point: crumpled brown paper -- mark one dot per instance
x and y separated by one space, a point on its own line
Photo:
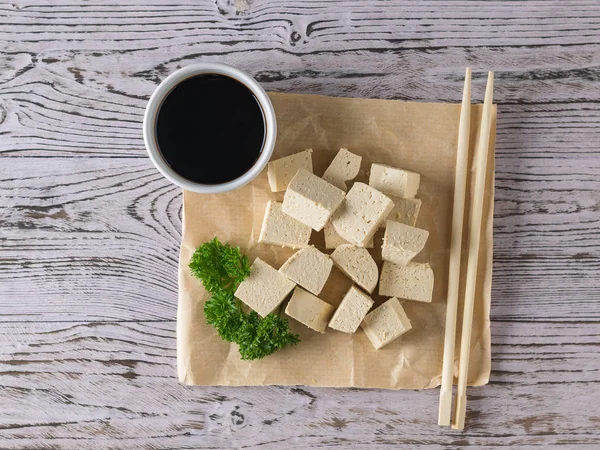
417 136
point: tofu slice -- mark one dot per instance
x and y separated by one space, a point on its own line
264 289
281 171
357 264
311 200
393 181
280 229
412 282
361 213
406 211
309 310
401 243
353 309
386 323
309 268
344 167
334 240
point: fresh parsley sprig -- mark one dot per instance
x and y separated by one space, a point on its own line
221 268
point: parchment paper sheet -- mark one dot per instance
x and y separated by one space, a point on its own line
415 136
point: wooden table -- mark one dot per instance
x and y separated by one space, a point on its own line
89 230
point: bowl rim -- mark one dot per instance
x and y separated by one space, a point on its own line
161 92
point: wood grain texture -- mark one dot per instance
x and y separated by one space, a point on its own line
99 237
113 384
89 231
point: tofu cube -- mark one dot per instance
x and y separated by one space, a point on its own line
334 240
386 323
353 309
361 213
357 264
280 229
344 167
281 171
309 310
412 282
406 211
311 200
264 289
309 268
401 243
393 181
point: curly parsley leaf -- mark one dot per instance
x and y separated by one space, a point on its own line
260 337
221 268
223 312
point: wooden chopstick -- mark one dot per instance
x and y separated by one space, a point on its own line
460 187
474 238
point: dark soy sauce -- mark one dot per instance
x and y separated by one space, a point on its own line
210 129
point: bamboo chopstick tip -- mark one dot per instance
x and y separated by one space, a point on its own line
458 426
444 421
460 413
445 408
489 90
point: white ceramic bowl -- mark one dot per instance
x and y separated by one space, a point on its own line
165 88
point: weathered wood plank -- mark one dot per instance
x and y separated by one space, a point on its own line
94 238
92 104
223 26
113 384
97 239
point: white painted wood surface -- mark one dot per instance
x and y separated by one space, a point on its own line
89 231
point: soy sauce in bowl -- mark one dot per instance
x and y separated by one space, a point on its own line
210 129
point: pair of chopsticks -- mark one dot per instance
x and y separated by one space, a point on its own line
455 253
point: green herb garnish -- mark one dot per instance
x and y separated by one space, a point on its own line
221 268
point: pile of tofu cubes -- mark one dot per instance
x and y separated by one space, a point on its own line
349 221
